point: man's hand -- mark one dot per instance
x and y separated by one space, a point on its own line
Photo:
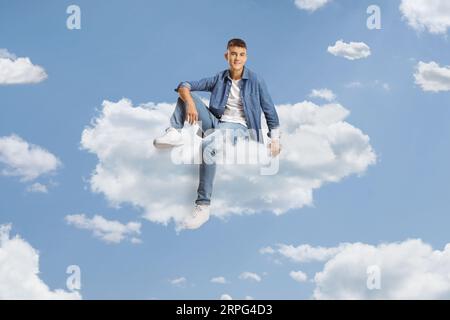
275 147
191 112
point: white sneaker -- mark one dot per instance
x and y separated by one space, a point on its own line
171 138
198 217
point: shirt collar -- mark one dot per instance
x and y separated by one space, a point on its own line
244 74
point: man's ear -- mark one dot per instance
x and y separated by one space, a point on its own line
226 55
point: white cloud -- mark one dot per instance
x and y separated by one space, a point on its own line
250 276
311 5
410 269
19 271
225 296
325 94
431 77
298 276
354 84
37 187
318 147
373 84
5 54
350 51
135 240
181 281
267 250
221 280
25 160
15 70
430 15
307 253
107 230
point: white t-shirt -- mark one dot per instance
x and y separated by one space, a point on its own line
234 109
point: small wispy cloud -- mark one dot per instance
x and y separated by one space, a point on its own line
325 94
298 276
373 84
220 280
250 276
350 51
109 231
310 5
181 281
38 187
267 250
225 296
354 84
5 54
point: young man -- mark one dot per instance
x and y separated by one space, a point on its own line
238 96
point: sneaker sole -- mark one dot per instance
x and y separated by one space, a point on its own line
160 145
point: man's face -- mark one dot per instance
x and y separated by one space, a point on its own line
236 57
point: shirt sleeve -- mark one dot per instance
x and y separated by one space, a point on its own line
205 84
269 111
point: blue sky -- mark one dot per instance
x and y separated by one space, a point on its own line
141 51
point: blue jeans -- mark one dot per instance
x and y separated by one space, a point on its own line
207 171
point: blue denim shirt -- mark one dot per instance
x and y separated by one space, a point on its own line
254 94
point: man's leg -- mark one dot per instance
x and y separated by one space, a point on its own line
207 172
207 119
172 137
208 169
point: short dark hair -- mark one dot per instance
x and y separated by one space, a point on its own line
236 42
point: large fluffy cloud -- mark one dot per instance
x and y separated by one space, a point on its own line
351 50
410 269
15 70
431 77
431 15
319 146
310 5
19 271
109 231
25 160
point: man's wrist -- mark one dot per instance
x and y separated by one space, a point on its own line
275 134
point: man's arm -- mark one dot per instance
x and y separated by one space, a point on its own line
184 91
205 84
271 116
269 110
191 110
